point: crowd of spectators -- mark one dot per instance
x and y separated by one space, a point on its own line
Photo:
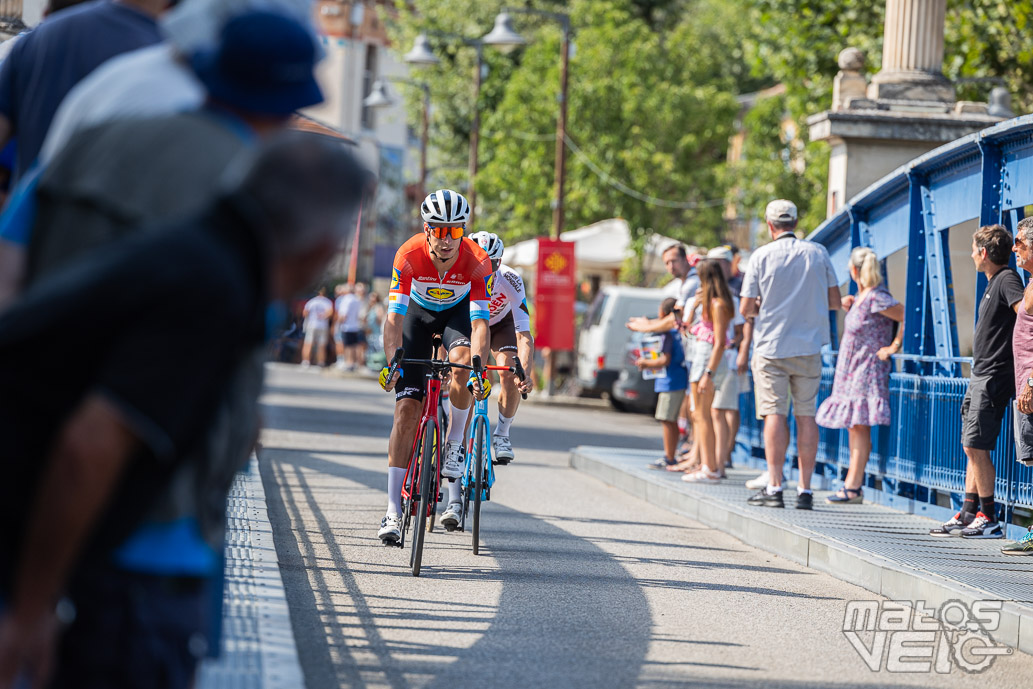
781 305
158 223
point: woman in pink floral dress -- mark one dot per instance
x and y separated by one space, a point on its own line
860 395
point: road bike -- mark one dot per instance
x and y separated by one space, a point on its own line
479 471
421 487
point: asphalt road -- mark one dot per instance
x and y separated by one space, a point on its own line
577 584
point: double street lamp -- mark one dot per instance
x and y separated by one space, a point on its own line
421 54
380 97
506 39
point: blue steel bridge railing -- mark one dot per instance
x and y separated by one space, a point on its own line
919 455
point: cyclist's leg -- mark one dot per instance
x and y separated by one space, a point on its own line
455 337
409 393
504 349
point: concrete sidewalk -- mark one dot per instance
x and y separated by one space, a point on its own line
258 648
882 550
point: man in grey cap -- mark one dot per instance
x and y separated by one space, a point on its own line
789 289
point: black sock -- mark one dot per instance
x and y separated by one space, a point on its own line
988 507
969 507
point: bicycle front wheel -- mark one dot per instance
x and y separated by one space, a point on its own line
427 469
479 440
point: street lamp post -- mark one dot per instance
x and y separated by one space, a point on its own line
421 54
506 38
380 97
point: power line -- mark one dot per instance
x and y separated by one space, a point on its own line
608 178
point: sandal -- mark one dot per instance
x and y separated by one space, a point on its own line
847 496
687 465
662 463
701 476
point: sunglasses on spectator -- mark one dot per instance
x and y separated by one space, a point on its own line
442 231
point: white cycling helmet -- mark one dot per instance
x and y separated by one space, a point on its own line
490 242
445 207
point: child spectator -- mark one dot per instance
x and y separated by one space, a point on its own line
671 385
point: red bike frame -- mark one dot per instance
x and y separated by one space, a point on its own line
411 482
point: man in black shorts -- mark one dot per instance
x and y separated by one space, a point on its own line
991 386
440 285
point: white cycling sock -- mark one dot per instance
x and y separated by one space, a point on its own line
455 491
395 478
504 423
457 427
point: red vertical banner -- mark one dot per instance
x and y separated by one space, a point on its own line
555 292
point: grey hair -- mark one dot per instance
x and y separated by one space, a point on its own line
1025 230
783 226
308 188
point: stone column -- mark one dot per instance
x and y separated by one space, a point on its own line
912 53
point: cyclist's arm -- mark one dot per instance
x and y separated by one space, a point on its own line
480 338
393 332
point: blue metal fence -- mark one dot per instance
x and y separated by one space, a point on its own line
919 455
987 176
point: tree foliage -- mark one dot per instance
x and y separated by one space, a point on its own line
651 109
797 42
653 101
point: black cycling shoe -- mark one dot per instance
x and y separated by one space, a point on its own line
762 499
804 501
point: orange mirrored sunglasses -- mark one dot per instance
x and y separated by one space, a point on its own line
442 231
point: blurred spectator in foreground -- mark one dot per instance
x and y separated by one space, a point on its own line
1022 350
319 311
158 79
790 287
860 395
123 174
991 385
47 62
114 178
87 455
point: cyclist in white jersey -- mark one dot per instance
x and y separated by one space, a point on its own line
510 325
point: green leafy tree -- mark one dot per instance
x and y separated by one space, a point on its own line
797 42
651 109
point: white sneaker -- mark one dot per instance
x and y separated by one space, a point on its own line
390 529
759 482
305 364
502 448
451 516
454 460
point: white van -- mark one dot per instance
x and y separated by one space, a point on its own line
604 335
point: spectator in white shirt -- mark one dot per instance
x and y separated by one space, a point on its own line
318 312
789 289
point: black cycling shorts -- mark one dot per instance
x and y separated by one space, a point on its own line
503 335
418 330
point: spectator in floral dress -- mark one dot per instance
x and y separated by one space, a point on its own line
860 395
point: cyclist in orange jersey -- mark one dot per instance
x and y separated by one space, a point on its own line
441 284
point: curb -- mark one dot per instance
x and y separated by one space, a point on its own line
894 580
258 647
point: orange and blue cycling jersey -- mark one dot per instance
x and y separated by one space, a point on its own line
413 276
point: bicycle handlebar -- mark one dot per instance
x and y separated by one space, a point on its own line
437 365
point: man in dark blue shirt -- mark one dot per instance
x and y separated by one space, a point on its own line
47 62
